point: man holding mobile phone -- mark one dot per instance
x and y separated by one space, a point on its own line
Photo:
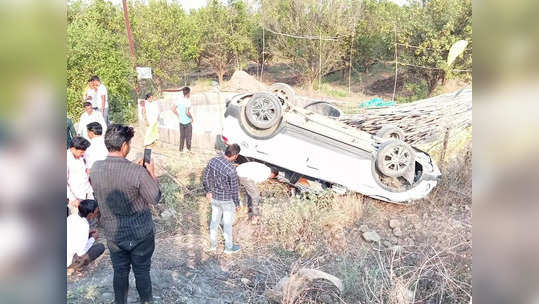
124 191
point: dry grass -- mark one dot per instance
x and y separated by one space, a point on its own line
316 222
321 232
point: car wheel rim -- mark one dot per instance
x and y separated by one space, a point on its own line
397 159
263 110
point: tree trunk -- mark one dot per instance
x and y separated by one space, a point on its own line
220 74
157 84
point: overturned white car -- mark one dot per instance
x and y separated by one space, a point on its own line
271 129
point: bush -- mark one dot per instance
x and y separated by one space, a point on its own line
405 275
332 91
307 224
414 90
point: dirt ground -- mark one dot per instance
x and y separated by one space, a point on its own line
432 237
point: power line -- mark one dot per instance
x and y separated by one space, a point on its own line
302 37
431 68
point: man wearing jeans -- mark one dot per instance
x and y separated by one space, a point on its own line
221 186
124 191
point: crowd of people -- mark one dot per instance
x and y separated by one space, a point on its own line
106 190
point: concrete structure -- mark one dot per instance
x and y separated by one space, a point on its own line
208 114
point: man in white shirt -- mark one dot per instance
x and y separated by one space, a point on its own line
250 174
97 150
102 98
82 247
90 116
90 95
78 182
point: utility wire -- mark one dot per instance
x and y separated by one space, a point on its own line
302 37
431 68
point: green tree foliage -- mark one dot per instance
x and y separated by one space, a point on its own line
222 35
310 18
96 45
226 35
433 26
166 40
374 36
262 40
310 58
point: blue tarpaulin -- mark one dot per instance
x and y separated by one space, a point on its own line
377 103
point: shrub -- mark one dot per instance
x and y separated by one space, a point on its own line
305 225
414 90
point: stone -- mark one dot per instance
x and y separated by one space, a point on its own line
301 282
409 241
397 232
168 214
245 281
107 296
371 236
394 223
363 228
176 276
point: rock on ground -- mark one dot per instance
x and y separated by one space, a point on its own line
371 236
394 223
397 232
288 289
363 228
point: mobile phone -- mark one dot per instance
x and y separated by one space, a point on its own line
147 157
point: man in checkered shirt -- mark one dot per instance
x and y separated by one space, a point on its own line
221 186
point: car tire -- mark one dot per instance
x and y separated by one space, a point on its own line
263 111
283 91
251 129
395 158
390 132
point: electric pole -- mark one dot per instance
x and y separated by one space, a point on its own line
131 44
129 35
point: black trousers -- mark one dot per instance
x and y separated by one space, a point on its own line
186 132
139 255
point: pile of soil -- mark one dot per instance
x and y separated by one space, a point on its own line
243 82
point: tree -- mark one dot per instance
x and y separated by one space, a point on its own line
310 58
96 45
374 40
166 40
433 28
262 40
226 32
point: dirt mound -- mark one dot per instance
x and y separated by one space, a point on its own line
243 82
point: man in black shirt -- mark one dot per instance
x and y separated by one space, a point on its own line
124 191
